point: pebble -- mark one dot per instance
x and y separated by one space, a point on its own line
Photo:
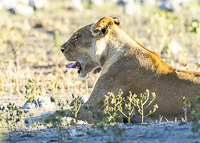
75 132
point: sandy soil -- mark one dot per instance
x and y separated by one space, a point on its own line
164 132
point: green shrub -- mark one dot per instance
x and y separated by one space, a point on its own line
195 114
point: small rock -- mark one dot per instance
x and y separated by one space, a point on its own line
175 47
23 7
74 132
172 5
148 2
97 2
75 4
182 123
24 10
73 101
43 102
53 140
173 51
12 10
151 133
25 136
37 4
130 7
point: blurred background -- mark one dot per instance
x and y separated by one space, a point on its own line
32 31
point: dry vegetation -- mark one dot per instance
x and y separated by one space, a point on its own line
30 46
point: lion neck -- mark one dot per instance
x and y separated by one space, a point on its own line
118 44
112 46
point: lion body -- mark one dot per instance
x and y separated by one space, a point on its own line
128 66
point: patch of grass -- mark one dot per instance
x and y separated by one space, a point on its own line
10 116
195 114
194 107
57 38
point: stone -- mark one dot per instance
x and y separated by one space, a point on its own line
172 5
130 7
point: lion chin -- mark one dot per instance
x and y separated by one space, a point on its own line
127 65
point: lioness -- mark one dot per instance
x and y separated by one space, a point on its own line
128 66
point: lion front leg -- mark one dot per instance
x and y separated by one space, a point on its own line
38 119
52 115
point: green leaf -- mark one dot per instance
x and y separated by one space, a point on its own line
197 99
193 112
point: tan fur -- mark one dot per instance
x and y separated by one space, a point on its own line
128 65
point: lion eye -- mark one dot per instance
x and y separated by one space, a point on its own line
75 37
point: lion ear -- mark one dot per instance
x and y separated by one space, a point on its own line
117 20
102 27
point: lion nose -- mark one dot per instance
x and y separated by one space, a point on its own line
62 49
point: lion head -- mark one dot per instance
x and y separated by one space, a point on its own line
87 45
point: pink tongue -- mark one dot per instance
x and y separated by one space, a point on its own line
73 65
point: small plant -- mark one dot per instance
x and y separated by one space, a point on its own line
57 38
184 64
142 100
15 49
11 115
198 65
57 120
113 106
194 26
185 108
195 114
16 44
117 106
113 113
77 106
31 92
117 103
118 132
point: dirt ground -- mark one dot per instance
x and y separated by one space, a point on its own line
165 132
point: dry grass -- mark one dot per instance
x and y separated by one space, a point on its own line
29 51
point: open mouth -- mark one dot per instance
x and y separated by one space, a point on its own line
74 65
